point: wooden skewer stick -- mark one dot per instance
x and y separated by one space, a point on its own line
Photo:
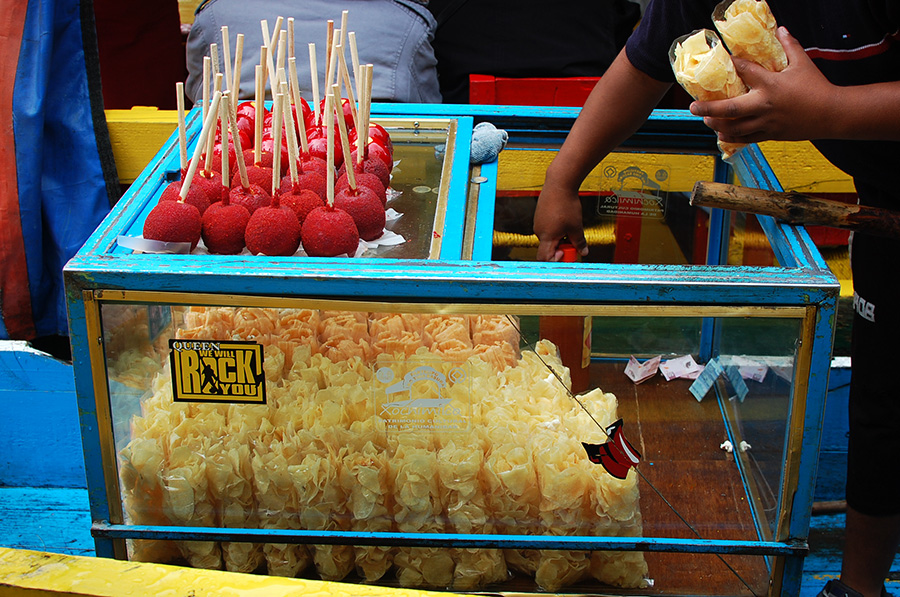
214 55
291 131
290 29
208 124
211 140
344 15
797 208
345 74
295 92
182 129
345 141
314 71
362 134
329 151
236 139
329 40
226 53
266 58
278 108
354 61
223 125
238 60
207 62
279 63
331 66
259 119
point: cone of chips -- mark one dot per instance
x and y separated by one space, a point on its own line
704 68
748 29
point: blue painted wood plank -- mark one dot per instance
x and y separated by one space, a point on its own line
46 519
38 420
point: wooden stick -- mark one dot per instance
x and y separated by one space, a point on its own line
290 28
259 120
344 15
226 54
224 119
345 141
279 64
238 60
362 135
332 65
314 71
277 124
266 57
797 208
182 129
207 61
211 141
236 138
295 92
291 131
329 151
214 54
329 40
208 124
351 96
354 58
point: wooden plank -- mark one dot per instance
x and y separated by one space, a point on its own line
49 519
39 422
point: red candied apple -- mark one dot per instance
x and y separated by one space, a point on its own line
372 165
211 183
363 179
252 197
257 175
345 107
267 149
173 222
329 232
374 150
310 163
273 230
365 208
377 134
307 180
216 162
302 201
196 195
223 227
318 146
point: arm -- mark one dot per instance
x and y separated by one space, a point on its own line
619 103
799 103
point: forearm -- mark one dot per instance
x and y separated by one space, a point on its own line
618 105
864 112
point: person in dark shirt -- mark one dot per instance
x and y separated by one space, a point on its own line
526 38
841 89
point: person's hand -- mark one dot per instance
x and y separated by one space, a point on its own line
558 216
785 106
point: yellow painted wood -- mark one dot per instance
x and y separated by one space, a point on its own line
800 167
136 136
186 10
33 573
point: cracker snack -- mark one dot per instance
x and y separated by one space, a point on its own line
748 29
704 68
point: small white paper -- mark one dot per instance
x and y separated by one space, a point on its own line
640 372
749 368
681 367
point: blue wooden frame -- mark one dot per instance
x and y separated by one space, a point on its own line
803 280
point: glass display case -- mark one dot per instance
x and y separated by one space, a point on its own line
450 413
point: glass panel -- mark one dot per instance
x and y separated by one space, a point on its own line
464 423
635 207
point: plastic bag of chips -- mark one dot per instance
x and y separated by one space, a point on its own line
748 29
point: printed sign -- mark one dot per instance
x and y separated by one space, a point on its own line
633 193
423 397
229 371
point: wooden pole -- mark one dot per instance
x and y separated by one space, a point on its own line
797 208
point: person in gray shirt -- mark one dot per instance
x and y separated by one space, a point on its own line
393 35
